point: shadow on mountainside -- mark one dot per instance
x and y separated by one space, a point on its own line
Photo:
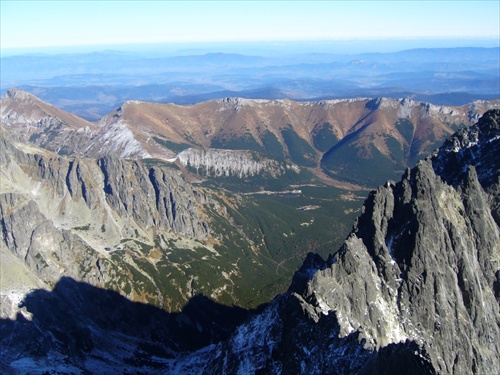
76 319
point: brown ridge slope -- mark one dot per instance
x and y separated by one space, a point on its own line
23 107
345 138
307 133
202 122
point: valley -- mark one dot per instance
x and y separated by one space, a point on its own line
139 227
172 242
224 198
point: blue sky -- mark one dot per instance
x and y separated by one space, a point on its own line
38 23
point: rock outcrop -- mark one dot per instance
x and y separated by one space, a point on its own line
415 286
73 216
238 163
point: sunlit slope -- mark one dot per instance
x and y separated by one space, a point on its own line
363 141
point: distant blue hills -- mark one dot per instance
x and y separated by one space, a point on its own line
93 84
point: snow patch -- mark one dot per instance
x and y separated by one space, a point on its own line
36 189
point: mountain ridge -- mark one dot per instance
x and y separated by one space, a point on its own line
318 135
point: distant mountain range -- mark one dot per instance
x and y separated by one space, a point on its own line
93 84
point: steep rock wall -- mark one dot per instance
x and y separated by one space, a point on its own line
414 288
217 162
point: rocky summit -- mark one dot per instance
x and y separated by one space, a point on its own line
414 289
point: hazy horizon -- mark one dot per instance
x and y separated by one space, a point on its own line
48 26
88 57
265 48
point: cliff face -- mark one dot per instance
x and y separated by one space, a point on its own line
217 162
415 286
93 220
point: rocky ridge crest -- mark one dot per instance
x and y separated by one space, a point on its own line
386 135
68 216
415 287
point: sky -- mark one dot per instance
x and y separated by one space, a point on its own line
37 24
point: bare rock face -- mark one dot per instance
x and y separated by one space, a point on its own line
240 163
415 287
152 197
90 219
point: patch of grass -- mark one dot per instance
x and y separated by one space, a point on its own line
176 147
406 129
300 151
145 248
64 151
152 163
371 171
243 142
84 227
260 182
272 146
40 261
323 137
397 153
458 126
34 137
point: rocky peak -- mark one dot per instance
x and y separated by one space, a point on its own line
471 146
415 287
17 94
21 107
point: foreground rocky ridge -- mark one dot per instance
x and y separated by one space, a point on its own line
415 286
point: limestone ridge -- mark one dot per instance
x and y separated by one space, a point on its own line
415 287
46 126
218 162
